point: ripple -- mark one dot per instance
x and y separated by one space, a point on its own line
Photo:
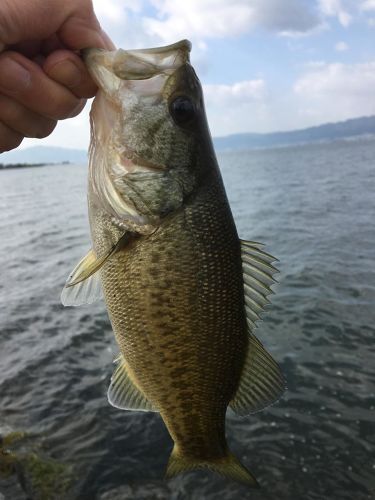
316 443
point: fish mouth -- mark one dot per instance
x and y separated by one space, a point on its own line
137 64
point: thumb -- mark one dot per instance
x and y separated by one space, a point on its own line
81 32
74 21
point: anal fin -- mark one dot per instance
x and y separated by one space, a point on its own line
262 382
123 392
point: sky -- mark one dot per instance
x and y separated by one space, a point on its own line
265 65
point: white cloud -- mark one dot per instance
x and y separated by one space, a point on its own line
206 18
341 47
239 107
115 10
325 92
335 8
368 5
333 92
111 11
123 21
220 18
235 93
291 16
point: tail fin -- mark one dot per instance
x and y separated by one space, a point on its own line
228 466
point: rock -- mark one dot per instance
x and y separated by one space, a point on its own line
150 491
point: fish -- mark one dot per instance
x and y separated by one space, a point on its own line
183 292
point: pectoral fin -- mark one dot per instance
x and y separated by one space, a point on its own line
84 291
123 392
83 285
262 382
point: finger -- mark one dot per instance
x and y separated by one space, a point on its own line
23 121
27 83
80 33
28 48
51 44
9 139
74 22
66 68
32 48
76 111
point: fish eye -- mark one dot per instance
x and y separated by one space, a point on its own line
182 110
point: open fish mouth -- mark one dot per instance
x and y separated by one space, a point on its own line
139 64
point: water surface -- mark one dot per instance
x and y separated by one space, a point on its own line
314 207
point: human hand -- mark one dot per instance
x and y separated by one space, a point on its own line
42 77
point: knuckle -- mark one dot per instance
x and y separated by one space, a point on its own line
13 113
22 121
9 140
14 141
9 110
63 109
85 92
45 129
79 107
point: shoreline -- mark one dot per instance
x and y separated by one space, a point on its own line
12 166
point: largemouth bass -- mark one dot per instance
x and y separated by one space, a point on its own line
183 292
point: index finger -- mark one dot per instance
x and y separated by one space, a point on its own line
66 68
36 91
77 34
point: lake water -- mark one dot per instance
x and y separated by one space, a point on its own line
314 207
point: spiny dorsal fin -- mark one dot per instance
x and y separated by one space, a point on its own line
262 382
83 285
258 273
123 393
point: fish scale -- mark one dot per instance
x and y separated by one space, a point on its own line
171 319
182 291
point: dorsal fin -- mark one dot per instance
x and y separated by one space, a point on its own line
258 273
261 383
123 392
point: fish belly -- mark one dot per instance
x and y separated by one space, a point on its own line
175 300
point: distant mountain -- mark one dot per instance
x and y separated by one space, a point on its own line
44 154
332 131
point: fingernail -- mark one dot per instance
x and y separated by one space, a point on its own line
14 78
67 73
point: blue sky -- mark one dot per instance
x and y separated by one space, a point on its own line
265 65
